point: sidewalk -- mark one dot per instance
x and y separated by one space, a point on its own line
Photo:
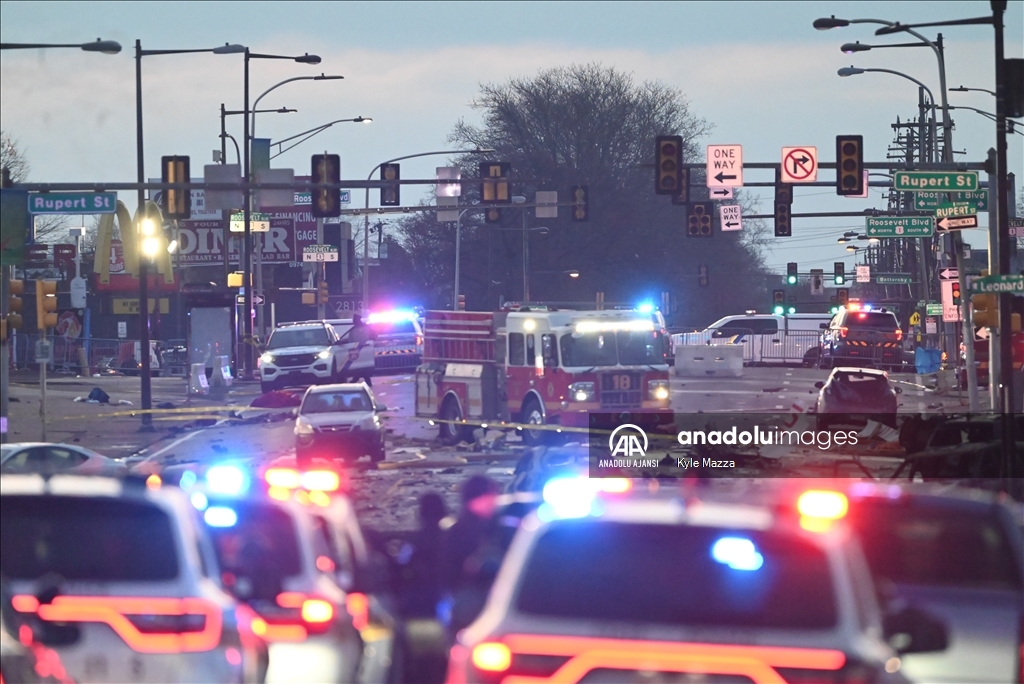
110 429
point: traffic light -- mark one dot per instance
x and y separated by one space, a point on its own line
390 196
15 288
46 303
783 207
955 287
494 187
699 216
850 165
462 303
702 275
668 151
176 202
326 168
580 203
843 296
778 302
839 273
791 273
322 295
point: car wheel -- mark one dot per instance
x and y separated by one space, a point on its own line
450 434
533 415
812 357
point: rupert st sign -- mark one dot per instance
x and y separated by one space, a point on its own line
920 181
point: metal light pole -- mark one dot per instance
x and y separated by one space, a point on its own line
147 398
366 216
316 130
248 343
107 47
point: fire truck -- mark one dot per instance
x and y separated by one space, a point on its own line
540 366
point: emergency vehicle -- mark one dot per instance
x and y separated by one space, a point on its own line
539 366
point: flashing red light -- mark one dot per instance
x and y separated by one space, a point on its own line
492 657
844 331
899 334
358 606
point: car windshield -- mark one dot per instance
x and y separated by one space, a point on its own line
918 542
85 539
627 348
872 320
300 337
677 575
262 546
335 401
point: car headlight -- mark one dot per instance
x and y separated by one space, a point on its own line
267 358
582 391
303 427
325 354
658 389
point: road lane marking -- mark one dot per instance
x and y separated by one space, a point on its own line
172 445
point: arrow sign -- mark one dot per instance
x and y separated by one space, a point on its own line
949 274
725 166
721 193
730 217
961 223
799 164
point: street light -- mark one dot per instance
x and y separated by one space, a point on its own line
856 71
366 215
144 374
963 89
247 342
224 135
107 47
315 131
850 48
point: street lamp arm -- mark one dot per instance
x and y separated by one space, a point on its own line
895 73
896 27
321 77
311 132
109 47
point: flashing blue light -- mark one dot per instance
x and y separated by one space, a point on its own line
199 501
738 553
865 307
220 516
645 307
569 497
227 479
188 480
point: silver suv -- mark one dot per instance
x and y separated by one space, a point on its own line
300 354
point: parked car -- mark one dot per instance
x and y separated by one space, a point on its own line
768 338
858 391
957 554
119 578
43 457
301 354
862 335
339 422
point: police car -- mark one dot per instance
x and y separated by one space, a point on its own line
604 585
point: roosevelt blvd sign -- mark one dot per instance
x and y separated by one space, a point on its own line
900 226
919 181
932 200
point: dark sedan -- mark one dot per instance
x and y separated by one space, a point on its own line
857 392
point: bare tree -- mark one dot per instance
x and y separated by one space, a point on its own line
48 229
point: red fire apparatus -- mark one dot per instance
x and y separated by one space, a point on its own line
540 367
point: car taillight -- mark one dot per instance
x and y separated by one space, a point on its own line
899 333
491 657
843 331
419 340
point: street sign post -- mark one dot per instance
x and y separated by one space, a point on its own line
924 201
933 309
799 164
961 223
258 223
72 203
721 193
955 209
920 181
256 299
730 217
320 253
949 274
998 284
894 279
1017 227
900 226
725 166
863 274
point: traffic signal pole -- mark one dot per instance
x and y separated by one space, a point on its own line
321 308
5 358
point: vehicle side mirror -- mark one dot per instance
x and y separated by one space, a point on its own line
823 326
914 631
381 407
819 384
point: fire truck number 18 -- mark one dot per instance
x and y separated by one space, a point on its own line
621 382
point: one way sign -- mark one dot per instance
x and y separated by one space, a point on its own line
730 217
725 166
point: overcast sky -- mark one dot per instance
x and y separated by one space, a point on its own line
757 71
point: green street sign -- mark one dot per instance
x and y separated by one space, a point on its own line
72 202
956 209
900 226
933 309
996 284
894 279
920 181
924 201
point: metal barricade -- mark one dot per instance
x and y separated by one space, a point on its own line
790 348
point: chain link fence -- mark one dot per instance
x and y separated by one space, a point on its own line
98 355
